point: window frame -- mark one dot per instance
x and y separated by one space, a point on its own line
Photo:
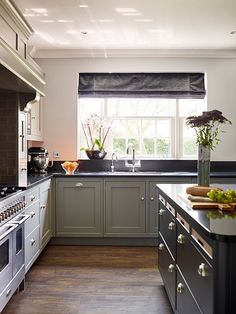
176 132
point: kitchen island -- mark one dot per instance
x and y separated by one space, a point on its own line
196 253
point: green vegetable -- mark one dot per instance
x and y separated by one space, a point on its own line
227 196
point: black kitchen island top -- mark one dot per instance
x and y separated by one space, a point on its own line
212 222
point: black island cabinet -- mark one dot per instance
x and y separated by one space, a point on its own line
196 254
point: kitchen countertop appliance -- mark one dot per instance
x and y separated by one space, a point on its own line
12 257
39 160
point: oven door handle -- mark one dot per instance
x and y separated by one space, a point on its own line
13 227
24 218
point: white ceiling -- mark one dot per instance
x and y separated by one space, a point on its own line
131 24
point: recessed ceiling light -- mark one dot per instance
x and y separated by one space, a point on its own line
143 20
233 32
83 6
125 10
64 21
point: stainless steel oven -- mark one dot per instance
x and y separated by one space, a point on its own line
12 255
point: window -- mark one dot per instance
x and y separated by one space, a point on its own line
156 126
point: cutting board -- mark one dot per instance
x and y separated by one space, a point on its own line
207 205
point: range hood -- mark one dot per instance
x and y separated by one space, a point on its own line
18 71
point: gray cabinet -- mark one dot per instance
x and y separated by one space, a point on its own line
45 213
125 208
32 243
79 207
35 125
38 228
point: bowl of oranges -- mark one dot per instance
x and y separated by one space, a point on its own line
70 166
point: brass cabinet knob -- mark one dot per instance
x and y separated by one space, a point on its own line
79 184
171 268
161 246
152 199
202 270
181 239
180 288
161 211
171 226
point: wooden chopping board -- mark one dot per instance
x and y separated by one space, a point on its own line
207 205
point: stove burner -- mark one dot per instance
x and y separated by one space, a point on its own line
7 190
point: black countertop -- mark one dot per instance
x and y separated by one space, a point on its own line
212 223
38 178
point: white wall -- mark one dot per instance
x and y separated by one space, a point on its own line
60 103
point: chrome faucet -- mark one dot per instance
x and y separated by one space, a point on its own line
135 163
112 161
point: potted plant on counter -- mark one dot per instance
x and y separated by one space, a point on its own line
95 130
207 127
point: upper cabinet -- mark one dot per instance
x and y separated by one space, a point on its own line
14 35
35 125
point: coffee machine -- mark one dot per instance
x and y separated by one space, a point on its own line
39 160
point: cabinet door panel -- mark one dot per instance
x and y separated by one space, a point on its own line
125 207
196 270
168 228
45 214
167 268
185 301
153 209
78 208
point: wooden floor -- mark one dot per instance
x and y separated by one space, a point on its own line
92 280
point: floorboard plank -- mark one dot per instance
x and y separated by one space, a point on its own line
92 280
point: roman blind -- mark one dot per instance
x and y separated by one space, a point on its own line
164 85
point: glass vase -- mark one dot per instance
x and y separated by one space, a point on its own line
203 165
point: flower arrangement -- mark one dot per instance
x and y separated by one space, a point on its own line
207 127
95 130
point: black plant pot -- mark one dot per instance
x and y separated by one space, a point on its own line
96 154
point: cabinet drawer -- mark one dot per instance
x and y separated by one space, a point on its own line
196 270
32 196
185 300
167 228
33 221
167 269
31 248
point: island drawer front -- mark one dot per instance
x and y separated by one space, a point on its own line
196 270
184 300
167 268
167 228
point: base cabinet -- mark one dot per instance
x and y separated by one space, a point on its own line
45 213
79 207
38 228
125 208
185 302
197 271
167 268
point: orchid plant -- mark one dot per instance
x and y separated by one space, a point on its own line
95 130
207 127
